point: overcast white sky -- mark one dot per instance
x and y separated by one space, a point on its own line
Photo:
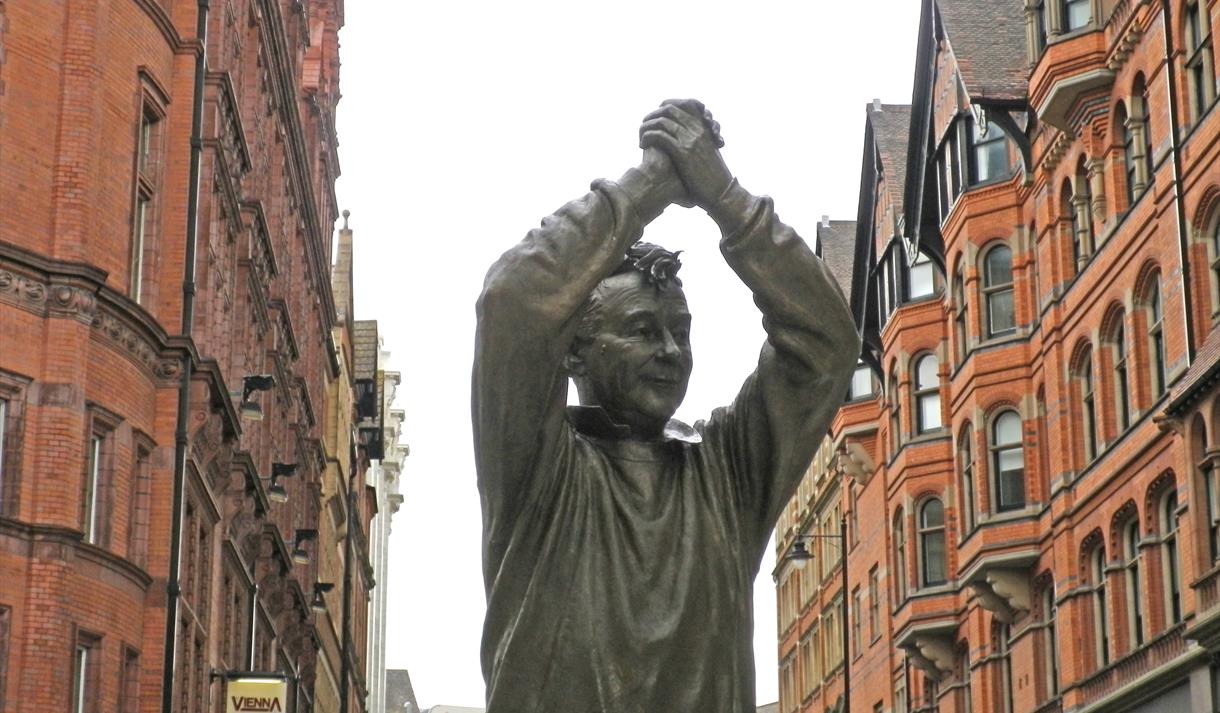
462 124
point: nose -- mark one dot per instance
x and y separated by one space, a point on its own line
668 346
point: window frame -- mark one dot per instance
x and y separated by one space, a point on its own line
900 558
1117 341
147 172
1101 615
961 311
977 146
1171 565
1050 643
1153 304
927 533
993 290
1085 382
1198 62
997 450
923 395
1133 582
965 464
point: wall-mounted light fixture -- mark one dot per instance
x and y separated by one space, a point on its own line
276 492
300 555
319 602
250 410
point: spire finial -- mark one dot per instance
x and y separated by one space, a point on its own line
346 213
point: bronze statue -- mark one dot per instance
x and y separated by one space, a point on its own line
620 546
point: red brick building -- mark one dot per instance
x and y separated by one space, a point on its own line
166 211
1027 461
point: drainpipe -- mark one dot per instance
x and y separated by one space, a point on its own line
1180 208
172 585
345 642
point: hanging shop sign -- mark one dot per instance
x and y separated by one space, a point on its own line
256 695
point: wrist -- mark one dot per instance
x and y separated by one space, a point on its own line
732 208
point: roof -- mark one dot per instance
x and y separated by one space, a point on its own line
891 126
988 41
364 348
769 708
399 694
836 246
1202 373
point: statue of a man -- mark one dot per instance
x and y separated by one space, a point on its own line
620 547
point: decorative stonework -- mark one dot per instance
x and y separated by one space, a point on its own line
47 298
135 346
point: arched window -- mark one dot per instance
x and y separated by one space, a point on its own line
1200 71
1170 567
895 411
1003 653
965 704
1205 470
1076 14
1088 406
997 291
1082 217
1007 462
1101 619
1215 241
965 467
1141 112
927 393
1050 636
1134 585
1124 124
932 543
1117 341
900 558
1067 208
961 309
1156 336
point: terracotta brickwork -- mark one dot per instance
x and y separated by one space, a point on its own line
97 99
1034 482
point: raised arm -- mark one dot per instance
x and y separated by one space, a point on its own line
527 316
777 421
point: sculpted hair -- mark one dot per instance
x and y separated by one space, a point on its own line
659 268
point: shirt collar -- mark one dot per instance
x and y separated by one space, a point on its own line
594 421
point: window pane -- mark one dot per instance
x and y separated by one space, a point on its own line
999 266
1012 489
926 377
1000 312
1012 459
1078 14
922 281
933 513
929 412
934 557
1007 429
861 382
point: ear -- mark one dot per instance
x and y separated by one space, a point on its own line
574 361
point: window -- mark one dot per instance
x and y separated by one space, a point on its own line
1170 568
129 683
6 629
997 291
900 558
1076 14
874 604
12 407
1141 112
1200 69
932 543
1050 639
921 278
988 152
857 623
91 520
807 681
1082 217
140 503
1211 493
1101 620
863 383
1008 462
895 415
965 702
949 171
86 660
1126 125
927 393
900 694
3 433
1038 17
1216 262
960 310
1004 661
1088 406
143 218
1131 572
965 466
1118 348
1156 337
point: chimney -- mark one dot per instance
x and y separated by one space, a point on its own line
341 273
825 221
876 104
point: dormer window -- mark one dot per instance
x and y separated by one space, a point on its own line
988 153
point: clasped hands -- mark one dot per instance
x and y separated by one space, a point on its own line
682 159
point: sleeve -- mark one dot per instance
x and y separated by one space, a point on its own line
769 433
526 318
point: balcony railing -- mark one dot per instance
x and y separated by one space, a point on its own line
1209 590
1152 655
1054 705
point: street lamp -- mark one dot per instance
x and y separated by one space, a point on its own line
799 553
319 602
250 410
300 555
276 492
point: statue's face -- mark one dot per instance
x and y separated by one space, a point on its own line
638 362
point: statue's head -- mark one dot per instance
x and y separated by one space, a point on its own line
632 355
